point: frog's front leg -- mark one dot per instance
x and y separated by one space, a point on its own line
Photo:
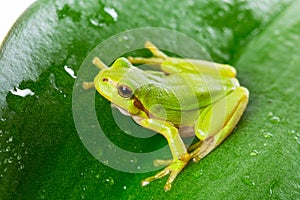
217 121
177 147
98 63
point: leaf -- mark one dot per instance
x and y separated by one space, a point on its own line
41 154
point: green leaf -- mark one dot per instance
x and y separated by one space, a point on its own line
41 154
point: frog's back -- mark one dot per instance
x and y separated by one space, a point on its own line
185 91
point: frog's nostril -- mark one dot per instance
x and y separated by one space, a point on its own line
105 79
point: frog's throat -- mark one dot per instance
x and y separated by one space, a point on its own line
123 111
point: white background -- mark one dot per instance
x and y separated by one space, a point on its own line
10 10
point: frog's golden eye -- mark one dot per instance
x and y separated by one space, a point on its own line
125 91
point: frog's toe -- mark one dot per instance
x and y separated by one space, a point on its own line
88 85
159 162
206 146
173 169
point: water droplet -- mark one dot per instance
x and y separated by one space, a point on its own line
271 192
197 174
254 153
273 118
21 167
110 181
112 12
291 132
106 162
19 157
297 138
248 181
22 93
133 160
10 160
128 132
268 134
10 139
211 32
67 11
52 81
96 22
70 71
124 187
107 16
7 149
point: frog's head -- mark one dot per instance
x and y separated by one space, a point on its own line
118 83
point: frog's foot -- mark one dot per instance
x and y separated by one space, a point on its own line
203 149
88 85
173 169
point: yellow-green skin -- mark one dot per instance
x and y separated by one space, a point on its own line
182 97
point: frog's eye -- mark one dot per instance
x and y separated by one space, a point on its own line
125 91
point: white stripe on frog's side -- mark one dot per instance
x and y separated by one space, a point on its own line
124 112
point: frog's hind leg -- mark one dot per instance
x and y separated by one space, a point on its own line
154 50
158 58
141 60
212 129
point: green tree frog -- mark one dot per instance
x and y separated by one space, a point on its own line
180 97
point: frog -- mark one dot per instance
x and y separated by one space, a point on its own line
177 98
